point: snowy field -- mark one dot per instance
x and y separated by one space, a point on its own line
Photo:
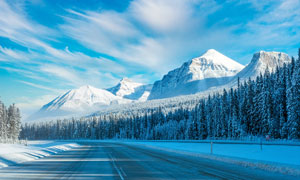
280 158
12 154
273 153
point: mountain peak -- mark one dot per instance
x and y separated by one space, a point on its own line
211 52
213 64
270 59
84 99
260 61
201 73
125 87
214 58
86 87
125 79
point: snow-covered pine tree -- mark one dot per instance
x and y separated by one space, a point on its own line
266 104
14 122
294 103
3 122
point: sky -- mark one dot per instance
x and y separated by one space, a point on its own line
50 46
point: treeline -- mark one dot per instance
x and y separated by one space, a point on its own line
268 105
10 123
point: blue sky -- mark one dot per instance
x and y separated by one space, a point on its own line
50 46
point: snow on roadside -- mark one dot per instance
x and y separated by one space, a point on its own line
12 154
274 158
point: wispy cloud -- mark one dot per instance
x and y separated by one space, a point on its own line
41 86
68 75
44 59
17 27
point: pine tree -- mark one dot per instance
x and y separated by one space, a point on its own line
14 122
294 103
3 122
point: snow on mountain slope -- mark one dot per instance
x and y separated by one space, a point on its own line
129 89
199 74
259 63
124 87
82 100
141 93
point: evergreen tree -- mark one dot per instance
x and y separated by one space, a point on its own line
14 122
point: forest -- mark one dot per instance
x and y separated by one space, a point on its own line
266 106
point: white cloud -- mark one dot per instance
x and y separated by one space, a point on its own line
101 31
25 73
277 25
163 16
41 86
11 53
43 60
15 25
66 74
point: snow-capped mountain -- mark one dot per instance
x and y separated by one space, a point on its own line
259 63
85 99
129 89
211 72
199 74
124 87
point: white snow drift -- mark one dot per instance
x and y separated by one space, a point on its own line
12 154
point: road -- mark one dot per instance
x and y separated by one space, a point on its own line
113 160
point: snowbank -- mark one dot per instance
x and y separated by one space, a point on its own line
276 158
12 154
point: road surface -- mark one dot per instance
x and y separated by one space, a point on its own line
109 160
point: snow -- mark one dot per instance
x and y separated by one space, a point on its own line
83 100
265 57
277 158
80 99
12 154
199 74
140 93
124 87
129 89
259 63
194 80
213 64
273 153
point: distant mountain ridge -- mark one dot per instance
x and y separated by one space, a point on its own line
87 99
211 71
76 101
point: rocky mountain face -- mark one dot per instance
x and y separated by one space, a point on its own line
199 74
129 89
260 62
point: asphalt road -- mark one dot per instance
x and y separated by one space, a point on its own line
108 160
